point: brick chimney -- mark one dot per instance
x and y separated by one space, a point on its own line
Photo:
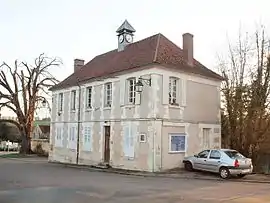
78 63
188 48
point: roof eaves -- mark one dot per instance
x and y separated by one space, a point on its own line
157 46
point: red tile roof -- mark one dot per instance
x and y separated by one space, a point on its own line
155 49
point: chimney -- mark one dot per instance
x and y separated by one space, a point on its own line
78 63
188 48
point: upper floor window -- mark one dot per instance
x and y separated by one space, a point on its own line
173 90
108 94
73 99
60 102
89 97
131 90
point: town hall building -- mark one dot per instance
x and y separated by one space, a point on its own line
142 106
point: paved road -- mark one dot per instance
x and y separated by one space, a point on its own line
32 182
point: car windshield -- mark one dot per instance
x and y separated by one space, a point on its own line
234 154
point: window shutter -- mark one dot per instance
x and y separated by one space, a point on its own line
62 136
89 139
126 140
55 135
179 92
122 91
132 134
183 92
165 89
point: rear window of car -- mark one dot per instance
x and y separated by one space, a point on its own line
234 154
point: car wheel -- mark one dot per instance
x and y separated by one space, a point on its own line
188 166
224 173
241 175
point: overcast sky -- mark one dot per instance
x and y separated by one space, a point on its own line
84 28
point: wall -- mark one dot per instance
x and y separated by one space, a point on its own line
194 143
150 109
44 143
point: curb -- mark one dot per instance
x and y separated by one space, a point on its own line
172 176
26 159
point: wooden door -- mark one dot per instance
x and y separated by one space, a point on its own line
107 144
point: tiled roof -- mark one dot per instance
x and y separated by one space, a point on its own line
155 49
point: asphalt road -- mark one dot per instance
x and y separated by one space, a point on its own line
40 182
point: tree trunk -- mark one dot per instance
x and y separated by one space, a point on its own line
26 142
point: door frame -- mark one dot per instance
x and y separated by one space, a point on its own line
106 144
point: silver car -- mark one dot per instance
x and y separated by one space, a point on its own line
225 162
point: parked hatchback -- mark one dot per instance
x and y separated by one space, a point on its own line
225 162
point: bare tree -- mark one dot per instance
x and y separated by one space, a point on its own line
22 88
246 93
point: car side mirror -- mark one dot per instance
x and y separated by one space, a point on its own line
196 155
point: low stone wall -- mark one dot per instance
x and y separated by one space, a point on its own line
44 143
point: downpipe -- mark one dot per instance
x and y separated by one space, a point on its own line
79 125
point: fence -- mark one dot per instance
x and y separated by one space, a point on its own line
263 163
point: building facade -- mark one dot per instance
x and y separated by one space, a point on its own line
101 117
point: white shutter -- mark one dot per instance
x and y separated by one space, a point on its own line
132 134
75 136
183 92
126 140
122 91
165 91
89 139
55 135
62 136
179 91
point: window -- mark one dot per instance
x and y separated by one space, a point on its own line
73 99
142 138
131 90
203 154
87 138
215 154
60 102
234 154
72 139
108 95
89 97
58 137
206 137
173 91
129 134
177 142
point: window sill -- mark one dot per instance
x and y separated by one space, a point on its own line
72 111
107 108
175 106
129 106
89 109
177 152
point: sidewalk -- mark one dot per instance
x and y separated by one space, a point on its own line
179 174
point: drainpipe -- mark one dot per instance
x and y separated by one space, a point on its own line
78 122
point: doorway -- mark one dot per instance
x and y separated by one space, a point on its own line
107 131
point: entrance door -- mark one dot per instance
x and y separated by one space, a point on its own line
107 144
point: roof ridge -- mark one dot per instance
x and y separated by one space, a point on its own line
156 50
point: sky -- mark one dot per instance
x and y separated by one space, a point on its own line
82 29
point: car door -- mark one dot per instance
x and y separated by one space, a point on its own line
200 160
213 161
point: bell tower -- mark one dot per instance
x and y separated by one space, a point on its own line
125 35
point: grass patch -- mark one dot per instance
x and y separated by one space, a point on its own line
12 155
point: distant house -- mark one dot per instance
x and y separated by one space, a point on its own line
41 130
143 106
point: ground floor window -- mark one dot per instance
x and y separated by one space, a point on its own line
87 138
58 136
177 142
